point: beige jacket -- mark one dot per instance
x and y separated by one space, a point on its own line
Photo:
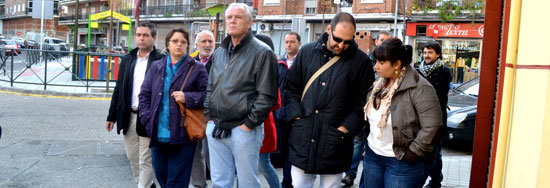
416 118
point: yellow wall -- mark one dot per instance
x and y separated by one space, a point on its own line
527 159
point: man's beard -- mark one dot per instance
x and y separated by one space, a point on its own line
205 54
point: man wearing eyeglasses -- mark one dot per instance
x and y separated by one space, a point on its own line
327 116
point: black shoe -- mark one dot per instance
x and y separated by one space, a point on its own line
348 180
432 186
286 185
153 185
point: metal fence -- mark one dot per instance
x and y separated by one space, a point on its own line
48 68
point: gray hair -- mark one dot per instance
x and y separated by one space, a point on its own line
203 32
246 8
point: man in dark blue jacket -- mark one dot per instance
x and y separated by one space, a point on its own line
292 46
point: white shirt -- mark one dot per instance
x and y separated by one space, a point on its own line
289 61
384 146
139 76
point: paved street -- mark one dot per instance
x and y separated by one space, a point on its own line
57 142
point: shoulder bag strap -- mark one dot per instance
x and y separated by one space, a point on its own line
187 76
318 73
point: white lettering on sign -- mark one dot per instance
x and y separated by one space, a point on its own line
481 30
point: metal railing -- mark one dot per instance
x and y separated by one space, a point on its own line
25 67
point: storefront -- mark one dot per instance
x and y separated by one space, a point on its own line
461 45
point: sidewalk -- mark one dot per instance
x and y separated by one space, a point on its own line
456 164
58 73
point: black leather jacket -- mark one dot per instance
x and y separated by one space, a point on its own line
242 84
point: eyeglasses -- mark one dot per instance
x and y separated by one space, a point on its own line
339 40
178 41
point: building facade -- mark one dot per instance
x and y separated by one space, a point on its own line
16 21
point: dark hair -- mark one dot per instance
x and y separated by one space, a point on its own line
151 27
342 17
266 40
295 34
177 30
393 50
434 46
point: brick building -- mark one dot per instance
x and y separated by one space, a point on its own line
16 20
306 17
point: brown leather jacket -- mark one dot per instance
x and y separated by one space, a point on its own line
416 118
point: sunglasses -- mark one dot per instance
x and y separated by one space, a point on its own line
339 40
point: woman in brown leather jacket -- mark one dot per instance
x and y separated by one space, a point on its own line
404 118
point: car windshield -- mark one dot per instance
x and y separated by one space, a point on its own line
57 41
8 42
470 88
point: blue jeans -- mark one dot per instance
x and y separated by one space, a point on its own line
238 152
435 174
173 164
266 168
388 172
358 149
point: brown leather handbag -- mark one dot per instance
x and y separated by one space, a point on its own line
192 119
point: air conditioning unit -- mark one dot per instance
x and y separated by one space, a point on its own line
265 27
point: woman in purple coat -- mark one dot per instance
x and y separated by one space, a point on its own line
171 149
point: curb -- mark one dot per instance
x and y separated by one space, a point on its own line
56 94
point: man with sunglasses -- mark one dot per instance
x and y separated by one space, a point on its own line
327 116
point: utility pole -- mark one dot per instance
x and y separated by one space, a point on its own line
111 28
75 31
110 44
395 19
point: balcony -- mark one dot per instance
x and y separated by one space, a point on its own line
2 2
175 11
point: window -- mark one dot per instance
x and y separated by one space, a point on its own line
83 11
272 2
310 10
421 30
372 1
92 10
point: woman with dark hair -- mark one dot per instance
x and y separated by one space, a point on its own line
404 118
172 150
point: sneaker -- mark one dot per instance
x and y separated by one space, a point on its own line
348 180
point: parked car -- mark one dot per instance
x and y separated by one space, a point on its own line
32 44
20 41
462 111
56 45
9 45
118 50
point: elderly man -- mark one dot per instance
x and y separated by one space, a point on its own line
326 109
204 42
242 88
125 103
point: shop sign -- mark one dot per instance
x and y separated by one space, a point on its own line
373 27
462 30
282 26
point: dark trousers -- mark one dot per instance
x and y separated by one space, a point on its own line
285 138
435 174
173 164
460 75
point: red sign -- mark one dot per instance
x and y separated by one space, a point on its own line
462 30
19 33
